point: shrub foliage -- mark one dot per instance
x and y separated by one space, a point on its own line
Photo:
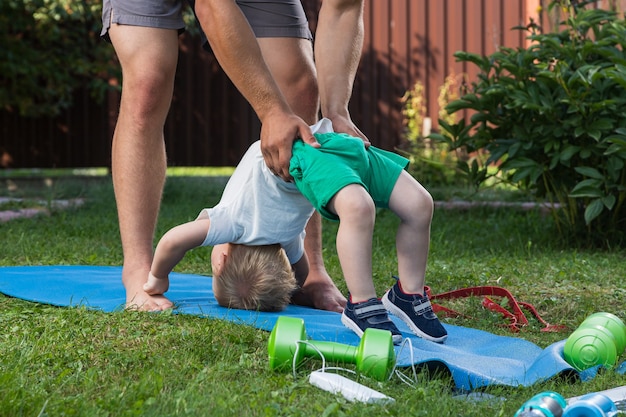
48 49
552 118
431 162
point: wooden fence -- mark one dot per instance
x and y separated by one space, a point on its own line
406 41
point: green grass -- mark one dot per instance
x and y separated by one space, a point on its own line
77 362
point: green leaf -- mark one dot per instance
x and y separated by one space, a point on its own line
514 148
584 192
520 163
442 139
618 143
593 210
461 104
609 201
579 131
595 134
568 152
587 188
602 124
589 172
479 117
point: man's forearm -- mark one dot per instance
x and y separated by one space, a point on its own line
238 52
338 45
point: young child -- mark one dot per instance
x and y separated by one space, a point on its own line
344 181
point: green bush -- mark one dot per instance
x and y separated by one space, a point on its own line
48 49
431 162
552 118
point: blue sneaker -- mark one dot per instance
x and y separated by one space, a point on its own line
371 313
417 312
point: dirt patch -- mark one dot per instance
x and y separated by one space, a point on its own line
544 208
40 207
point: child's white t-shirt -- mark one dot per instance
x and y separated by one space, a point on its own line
259 208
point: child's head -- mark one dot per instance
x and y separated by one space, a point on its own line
252 277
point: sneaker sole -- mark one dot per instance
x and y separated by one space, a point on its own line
393 309
346 321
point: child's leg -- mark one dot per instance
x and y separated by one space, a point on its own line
357 215
414 206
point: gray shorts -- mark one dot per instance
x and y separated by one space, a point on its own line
268 19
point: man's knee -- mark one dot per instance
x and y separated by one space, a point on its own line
307 87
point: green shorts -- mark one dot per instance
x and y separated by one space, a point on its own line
319 173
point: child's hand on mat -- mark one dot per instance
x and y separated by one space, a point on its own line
156 286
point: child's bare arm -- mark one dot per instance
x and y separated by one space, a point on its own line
170 251
175 243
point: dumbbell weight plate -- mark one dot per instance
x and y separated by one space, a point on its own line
611 322
376 356
587 347
282 342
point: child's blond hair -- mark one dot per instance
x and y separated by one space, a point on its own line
255 278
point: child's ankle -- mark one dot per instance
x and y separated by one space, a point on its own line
420 293
359 300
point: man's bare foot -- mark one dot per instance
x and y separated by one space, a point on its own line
319 291
141 301
138 299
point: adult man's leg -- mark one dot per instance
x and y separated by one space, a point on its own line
291 62
148 57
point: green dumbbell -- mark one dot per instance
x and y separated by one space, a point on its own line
613 324
599 340
374 356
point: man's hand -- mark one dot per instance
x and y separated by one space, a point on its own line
321 293
277 136
343 124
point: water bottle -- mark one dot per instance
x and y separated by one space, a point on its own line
591 405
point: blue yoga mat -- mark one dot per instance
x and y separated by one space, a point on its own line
474 358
